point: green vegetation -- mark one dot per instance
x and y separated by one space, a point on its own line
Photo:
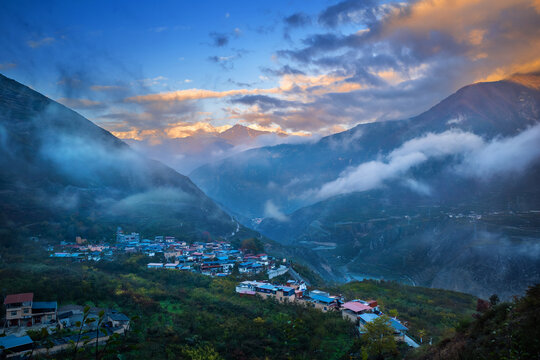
434 311
507 330
182 315
379 338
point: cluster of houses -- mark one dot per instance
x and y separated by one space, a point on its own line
82 250
358 311
22 313
217 259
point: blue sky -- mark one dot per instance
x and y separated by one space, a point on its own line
168 68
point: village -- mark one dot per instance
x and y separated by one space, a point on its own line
215 258
360 312
64 327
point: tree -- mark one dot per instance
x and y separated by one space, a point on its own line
379 338
200 353
494 299
393 313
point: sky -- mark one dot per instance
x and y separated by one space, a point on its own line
169 69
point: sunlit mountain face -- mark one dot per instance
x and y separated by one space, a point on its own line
385 139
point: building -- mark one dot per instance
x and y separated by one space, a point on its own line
11 345
21 310
400 330
121 237
44 312
266 290
352 309
117 319
322 300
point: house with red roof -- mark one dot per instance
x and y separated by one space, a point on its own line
21 310
352 309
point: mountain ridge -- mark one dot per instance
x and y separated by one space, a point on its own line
58 165
439 194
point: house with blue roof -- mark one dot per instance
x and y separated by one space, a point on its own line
44 312
400 330
322 300
12 345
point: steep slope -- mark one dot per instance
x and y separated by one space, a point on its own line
504 331
281 174
61 174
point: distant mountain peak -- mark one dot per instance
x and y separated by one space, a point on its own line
240 133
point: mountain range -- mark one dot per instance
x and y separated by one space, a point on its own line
185 154
63 176
448 198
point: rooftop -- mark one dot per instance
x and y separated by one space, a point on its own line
18 298
266 286
44 305
12 341
356 306
321 298
368 317
117 316
392 322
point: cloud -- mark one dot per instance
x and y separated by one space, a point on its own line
422 50
159 29
185 129
510 155
34 44
194 94
349 11
264 102
273 212
219 39
5 66
473 158
158 197
81 103
298 19
374 174
294 21
106 87
227 62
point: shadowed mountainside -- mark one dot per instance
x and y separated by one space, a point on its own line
446 199
62 174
